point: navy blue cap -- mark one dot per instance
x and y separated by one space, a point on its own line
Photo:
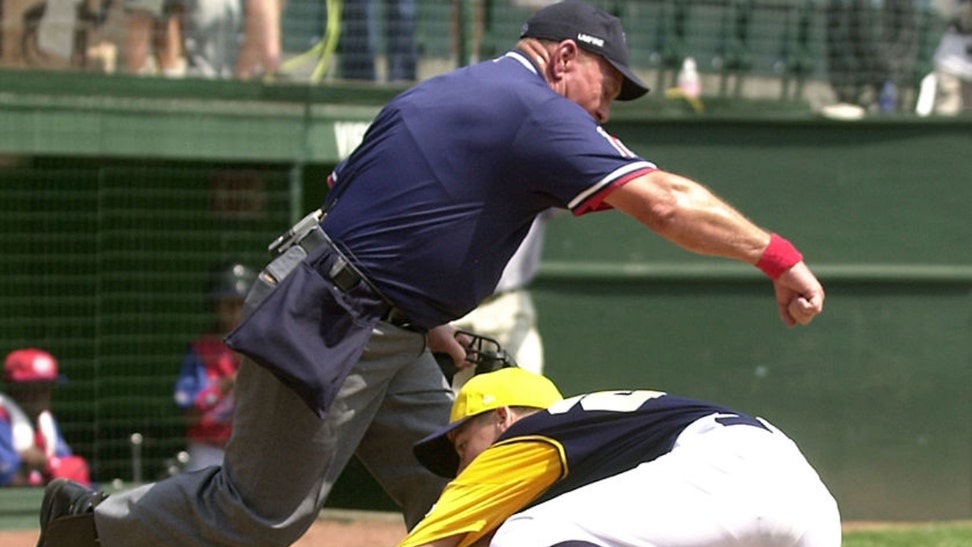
594 30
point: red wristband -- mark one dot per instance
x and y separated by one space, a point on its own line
779 256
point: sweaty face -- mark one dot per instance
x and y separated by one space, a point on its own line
474 436
593 85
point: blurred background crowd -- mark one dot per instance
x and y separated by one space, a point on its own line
841 54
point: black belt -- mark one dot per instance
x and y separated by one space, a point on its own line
346 277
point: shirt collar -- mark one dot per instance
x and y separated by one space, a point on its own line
524 60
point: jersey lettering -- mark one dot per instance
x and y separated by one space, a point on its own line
611 401
615 142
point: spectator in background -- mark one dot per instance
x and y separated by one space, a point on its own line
204 388
260 51
871 46
212 37
953 63
359 40
153 29
481 45
32 449
509 315
203 38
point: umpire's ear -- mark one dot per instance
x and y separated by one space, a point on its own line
563 58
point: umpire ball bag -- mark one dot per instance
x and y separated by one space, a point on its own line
303 328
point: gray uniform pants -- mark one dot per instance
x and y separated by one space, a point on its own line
282 459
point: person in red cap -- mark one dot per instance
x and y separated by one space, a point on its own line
32 449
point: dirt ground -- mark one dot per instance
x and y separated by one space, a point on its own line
334 529
340 528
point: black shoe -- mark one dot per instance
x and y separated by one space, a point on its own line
67 514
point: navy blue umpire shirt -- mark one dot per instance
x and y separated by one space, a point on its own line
452 172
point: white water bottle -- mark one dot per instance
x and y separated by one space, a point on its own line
688 79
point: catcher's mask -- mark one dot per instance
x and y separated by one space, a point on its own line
483 352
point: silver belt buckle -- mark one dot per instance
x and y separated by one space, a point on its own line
344 275
287 239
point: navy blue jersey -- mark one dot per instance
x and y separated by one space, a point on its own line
605 433
451 174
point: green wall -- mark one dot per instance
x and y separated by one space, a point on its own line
876 390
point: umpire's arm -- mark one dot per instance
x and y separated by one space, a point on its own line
693 217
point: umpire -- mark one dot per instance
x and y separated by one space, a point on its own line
416 230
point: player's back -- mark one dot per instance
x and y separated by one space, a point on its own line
604 433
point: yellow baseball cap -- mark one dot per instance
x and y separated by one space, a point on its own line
511 386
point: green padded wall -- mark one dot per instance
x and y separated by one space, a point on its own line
876 389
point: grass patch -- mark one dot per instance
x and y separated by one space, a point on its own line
932 534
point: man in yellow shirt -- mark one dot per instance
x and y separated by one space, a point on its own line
633 468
